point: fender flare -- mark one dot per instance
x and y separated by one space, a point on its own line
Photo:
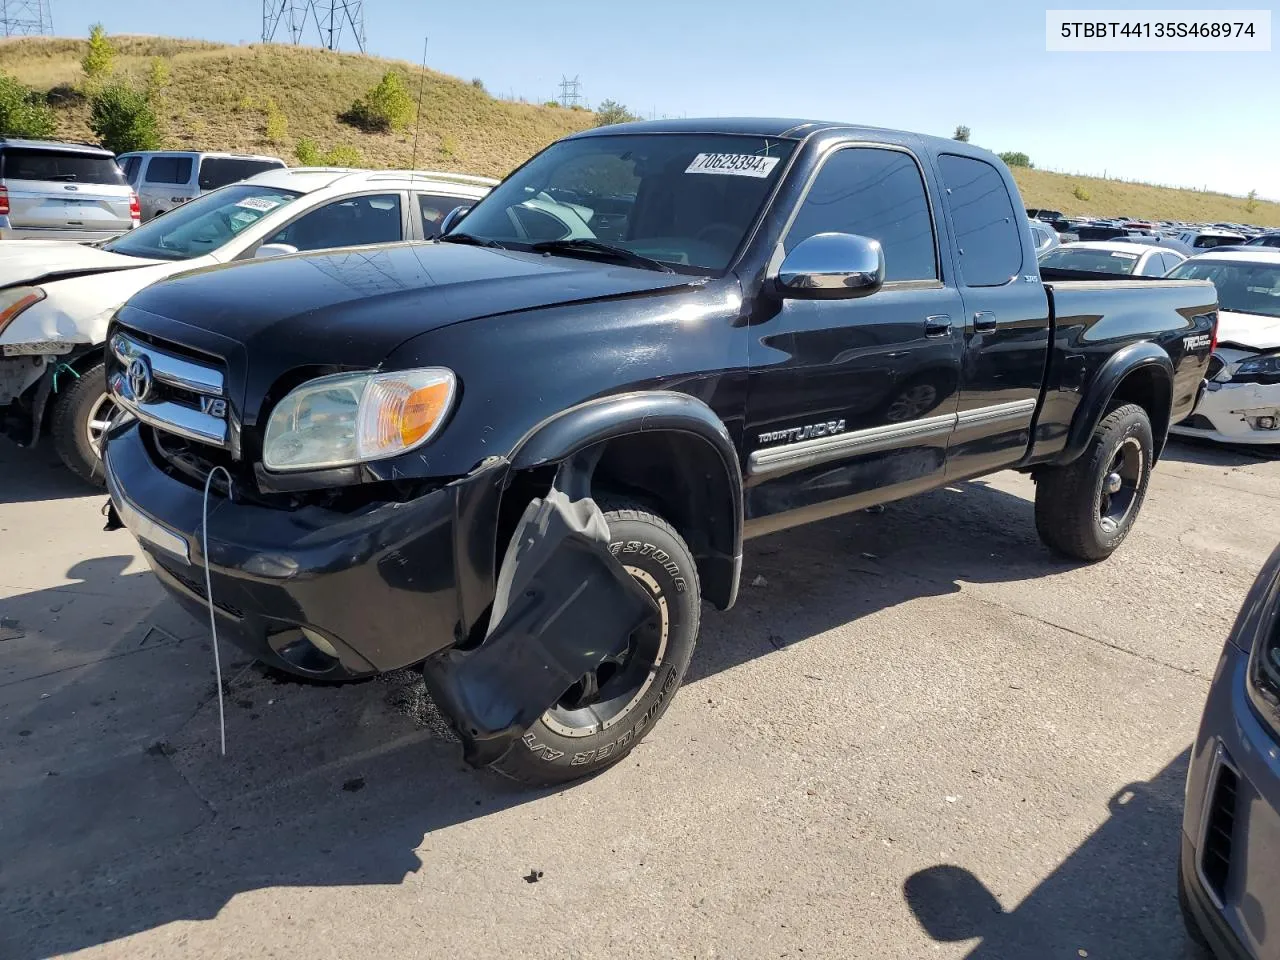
568 433
1125 361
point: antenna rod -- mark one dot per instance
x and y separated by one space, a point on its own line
422 84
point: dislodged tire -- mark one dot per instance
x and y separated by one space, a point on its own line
603 716
80 415
1085 509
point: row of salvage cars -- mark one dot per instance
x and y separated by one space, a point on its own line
56 297
1241 402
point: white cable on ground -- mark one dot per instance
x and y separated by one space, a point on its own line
208 593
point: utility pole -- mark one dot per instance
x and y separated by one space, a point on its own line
570 92
328 17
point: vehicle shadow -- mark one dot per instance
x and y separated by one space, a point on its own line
1209 454
1114 896
29 476
119 822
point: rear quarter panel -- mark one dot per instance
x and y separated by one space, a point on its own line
1093 320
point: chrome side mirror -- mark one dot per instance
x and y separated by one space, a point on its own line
268 250
832 266
452 218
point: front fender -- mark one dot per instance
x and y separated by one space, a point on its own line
1143 355
707 507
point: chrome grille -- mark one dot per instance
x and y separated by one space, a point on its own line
169 392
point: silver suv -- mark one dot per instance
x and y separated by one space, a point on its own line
62 191
166 178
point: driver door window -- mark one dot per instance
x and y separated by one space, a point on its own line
349 222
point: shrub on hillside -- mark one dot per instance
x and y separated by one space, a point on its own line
1080 193
611 112
122 118
21 112
277 125
387 106
100 58
1015 158
477 83
343 155
308 153
157 78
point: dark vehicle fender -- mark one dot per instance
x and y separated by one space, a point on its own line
1140 373
662 447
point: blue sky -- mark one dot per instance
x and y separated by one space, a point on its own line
1179 118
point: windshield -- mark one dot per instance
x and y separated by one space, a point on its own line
1242 287
203 225
686 200
1090 259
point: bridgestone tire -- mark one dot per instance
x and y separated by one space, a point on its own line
1069 499
69 425
642 540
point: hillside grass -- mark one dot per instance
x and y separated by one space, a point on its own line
218 98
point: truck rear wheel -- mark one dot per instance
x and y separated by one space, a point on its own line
80 416
601 718
1086 508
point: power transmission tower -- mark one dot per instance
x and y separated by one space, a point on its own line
329 18
570 92
25 18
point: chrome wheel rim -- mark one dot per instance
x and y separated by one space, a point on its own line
608 694
101 416
1118 488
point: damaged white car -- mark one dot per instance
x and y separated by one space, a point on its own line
1241 402
56 298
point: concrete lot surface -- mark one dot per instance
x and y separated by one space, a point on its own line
919 735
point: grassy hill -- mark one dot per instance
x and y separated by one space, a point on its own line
217 99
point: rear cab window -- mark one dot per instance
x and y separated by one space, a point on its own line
988 238
217 172
169 170
62 166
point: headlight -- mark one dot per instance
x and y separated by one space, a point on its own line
1266 366
352 417
16 299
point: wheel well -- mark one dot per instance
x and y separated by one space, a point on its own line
1149 388
677 475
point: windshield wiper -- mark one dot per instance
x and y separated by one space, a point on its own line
591 245
471 239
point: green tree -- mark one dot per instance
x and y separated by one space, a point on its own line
277 125
343 155
387 106
1080 193
1251 201
1015 158
308 153
100 58
610 112
123 119
22 112
477 83
961 134
157 79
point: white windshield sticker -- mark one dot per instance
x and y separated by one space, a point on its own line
258 203
732 164
1124 256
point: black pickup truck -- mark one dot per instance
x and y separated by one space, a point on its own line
523 455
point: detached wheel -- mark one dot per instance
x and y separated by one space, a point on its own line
1085 509
81 415
601 718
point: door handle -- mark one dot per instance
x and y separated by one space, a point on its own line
984 321
937 326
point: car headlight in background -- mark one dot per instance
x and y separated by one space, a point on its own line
14 300
1267 365
349 418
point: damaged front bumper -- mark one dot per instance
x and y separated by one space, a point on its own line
1235 413
314 591
336 596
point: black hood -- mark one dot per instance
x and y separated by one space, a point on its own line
354 306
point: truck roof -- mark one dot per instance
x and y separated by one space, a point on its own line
788 128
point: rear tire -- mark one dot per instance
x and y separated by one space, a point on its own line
559 747
1085 509
77 407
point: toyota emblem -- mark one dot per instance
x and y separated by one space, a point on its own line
138 374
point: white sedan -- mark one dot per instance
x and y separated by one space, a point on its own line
57 298
1241 402
1112 257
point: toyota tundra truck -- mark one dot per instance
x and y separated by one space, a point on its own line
522 456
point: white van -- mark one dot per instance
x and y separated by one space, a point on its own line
165 178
